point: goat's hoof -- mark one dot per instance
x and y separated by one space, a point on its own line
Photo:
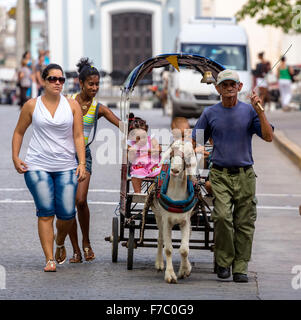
159 266
184 272
171 278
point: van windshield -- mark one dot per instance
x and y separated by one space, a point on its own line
232 57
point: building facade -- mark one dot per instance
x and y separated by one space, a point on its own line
115 34
7 40
119 34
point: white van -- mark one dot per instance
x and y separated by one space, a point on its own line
219 39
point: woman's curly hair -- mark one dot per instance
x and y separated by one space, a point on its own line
86 69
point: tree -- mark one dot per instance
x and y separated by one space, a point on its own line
284 14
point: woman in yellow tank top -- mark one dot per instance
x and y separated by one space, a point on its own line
89 78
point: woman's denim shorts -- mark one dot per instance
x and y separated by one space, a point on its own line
53 192
88 160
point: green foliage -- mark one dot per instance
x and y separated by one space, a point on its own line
284 14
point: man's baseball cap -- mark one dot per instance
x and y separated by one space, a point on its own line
227 75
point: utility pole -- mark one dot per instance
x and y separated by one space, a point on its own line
23 28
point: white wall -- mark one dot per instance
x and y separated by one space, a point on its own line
75 32
55 31
293 56
59 22
186 11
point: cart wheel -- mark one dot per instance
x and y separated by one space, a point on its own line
114 239
131 244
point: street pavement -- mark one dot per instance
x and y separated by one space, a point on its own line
287 133
289 123
276 249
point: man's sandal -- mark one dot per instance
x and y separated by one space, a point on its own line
50 266
88 253
77 258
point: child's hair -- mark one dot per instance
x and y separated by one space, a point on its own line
86 69
136 123
179 122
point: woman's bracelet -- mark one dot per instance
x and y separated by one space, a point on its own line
82 163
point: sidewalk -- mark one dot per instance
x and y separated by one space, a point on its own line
287 135
276 247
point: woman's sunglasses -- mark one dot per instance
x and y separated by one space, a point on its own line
55 79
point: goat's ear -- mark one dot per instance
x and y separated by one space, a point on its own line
190 159
166 155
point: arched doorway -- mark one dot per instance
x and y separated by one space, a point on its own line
131 40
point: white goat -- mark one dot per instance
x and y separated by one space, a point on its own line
182 164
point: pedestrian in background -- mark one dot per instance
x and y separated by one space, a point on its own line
262 69
29 63
92 110
231 124
285 84
47 57
50 168
24 81
38 74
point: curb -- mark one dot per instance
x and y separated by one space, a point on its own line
292 150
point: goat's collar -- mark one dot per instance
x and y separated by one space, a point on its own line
167 203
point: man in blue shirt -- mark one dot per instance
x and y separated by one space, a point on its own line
231 124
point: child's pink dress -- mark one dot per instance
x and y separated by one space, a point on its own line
145 165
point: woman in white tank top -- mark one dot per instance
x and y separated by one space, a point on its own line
51 170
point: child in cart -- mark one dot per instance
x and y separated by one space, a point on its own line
143 152
180 128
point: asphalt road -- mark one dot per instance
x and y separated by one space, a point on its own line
275 253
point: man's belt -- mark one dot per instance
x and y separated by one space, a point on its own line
231 170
